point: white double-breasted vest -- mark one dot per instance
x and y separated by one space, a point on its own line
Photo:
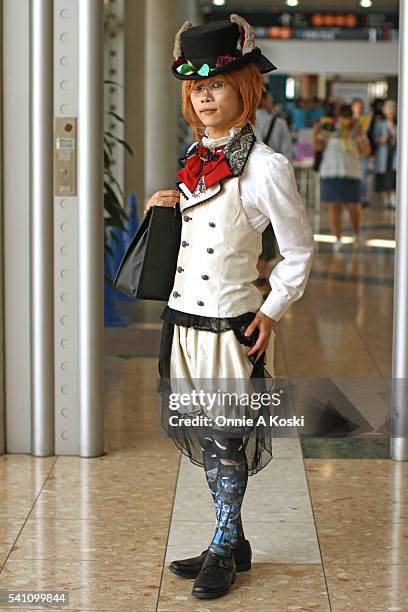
218 254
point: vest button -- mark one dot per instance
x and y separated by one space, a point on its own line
187 218
211 224
180 269
176 294
205 277
200 303
210 251
184 243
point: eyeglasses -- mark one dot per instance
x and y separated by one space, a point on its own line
214 88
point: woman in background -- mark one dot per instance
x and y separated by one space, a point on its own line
385 135
342 142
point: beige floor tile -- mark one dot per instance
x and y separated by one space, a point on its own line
356 490
193 504
285 542
367 587
115 539
95 585
352 472
188 538
21 480
17 506
332 368
15 465
74 471
353 508
286 448
95 502
290 469
265 588
140 456
364 541
154 444
9 530
270 542
190 475
279 503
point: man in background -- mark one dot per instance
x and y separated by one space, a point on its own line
273 130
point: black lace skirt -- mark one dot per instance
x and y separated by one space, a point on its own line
189 424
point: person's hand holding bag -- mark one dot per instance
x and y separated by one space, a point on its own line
165 197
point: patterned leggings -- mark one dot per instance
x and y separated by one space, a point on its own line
226 470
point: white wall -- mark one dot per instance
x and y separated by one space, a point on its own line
296 56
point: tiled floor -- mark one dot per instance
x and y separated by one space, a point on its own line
328 526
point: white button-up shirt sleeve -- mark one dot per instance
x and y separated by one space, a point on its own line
269 193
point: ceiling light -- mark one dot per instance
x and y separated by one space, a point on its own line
218 2
292 2
365 3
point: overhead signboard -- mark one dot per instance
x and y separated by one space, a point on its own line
321 25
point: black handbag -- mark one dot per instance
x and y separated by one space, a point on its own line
148 267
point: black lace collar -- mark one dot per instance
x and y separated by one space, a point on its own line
236 151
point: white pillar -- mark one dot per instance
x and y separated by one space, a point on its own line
399 406
2 405
66 212
90 226
162 97
42 290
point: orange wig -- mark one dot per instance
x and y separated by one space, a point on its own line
247 81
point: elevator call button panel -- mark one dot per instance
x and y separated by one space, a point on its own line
65 153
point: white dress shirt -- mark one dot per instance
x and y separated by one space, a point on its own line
269 193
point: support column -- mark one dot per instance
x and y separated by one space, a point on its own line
399 405
42 296
162 97
2 405
135 99
66 258
90 225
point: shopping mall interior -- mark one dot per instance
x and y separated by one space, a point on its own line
96 498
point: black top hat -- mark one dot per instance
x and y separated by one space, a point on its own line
215 48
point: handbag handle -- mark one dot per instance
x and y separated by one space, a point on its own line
176 214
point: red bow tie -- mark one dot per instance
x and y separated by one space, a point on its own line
211 165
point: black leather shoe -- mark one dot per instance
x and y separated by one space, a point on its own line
189 568
216 576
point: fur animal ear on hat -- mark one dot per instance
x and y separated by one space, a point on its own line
246 41
177 51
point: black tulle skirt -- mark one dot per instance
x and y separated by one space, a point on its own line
190 424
